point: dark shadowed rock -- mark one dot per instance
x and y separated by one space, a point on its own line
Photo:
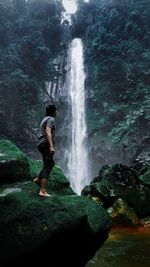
126 182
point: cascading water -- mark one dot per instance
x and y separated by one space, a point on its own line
78 164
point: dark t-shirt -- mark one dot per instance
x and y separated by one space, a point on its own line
48 121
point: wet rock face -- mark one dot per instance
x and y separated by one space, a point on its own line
123 214
119 181
143 158
120 174
146 222
142 166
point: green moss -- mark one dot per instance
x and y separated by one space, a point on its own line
145 178
35 167
28 220
16 166
9 151
59 182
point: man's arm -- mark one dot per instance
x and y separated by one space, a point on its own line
49 139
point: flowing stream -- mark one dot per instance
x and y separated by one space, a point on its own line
78 163
124 248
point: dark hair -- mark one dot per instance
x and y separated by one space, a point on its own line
50 110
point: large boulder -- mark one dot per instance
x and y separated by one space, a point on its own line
120 181
33 228
64 230
14 164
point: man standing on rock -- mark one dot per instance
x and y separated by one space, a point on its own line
46 147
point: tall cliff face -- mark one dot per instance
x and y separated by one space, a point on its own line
116 38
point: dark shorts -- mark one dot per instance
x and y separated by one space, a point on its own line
48 161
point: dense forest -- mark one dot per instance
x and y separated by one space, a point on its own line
116 37
31 36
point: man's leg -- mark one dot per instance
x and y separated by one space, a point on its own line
49 163
37 180
43 192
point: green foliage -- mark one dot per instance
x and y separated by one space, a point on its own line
30 37
116 37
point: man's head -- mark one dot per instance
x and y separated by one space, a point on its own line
51 110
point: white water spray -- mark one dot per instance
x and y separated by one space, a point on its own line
78 164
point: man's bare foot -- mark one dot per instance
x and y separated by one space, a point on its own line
44 194
37 181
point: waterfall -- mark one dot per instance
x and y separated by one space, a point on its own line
78 164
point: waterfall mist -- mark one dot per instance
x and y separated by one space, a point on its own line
78 169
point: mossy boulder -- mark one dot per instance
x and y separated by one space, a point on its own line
14 164
121 181
122 214
66 230
59 183
61 228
